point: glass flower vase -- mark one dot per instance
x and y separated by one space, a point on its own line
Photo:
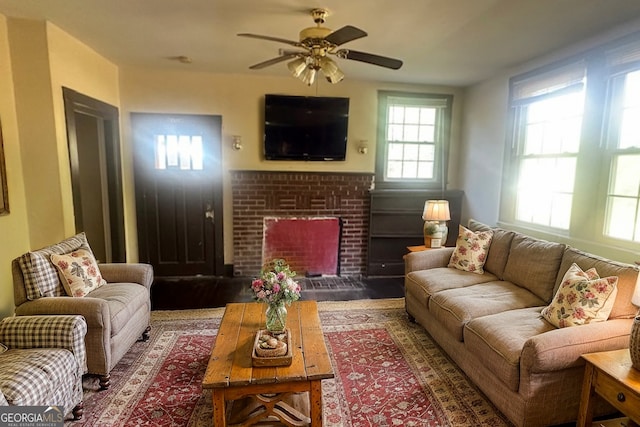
276 317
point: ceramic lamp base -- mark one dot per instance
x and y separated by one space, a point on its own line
634 343
433 241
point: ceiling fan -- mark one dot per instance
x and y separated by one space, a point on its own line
317 43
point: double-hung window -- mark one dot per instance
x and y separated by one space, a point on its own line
548 111
622 214
413 139
573 156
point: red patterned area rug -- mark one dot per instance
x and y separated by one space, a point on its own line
388 373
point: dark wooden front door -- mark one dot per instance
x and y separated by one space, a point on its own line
178 181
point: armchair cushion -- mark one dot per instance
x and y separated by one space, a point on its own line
31 377
40 276
123 301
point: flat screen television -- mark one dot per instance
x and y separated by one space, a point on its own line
305 127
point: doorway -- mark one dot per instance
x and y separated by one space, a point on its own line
96 182
178 185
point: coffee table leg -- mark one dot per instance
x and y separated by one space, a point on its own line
315 402
219 408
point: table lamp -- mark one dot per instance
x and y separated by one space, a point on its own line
634 343
435 216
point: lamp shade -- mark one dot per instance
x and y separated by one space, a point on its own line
297 66
436 210
308 76
330 70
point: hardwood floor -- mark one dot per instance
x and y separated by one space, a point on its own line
180 293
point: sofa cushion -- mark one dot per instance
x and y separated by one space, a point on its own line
471 250
455 307
33 376
422 284
123 299
627 277
499 249
583 297
499 252
40 276
79 271
498 340
533 264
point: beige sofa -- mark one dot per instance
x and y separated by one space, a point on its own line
490 324
117 313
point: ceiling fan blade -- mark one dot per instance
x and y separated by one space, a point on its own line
273 61
370 58
273 39
345 34
292 52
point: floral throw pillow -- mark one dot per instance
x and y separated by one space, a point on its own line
79 271
471 250
583 297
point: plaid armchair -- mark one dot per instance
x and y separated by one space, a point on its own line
44 361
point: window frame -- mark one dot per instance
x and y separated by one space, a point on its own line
442 141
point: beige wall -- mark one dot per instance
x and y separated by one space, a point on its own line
14 230
238 99
78 67
37 141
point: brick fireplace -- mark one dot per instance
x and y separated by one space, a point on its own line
260 194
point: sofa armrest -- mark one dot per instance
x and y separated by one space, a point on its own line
65 332
424 260
127 273
561 348
95 311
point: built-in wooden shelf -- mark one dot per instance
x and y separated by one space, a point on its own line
395 223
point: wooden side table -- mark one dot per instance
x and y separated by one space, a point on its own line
610 375
420 248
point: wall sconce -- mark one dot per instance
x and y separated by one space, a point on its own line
363 148
237 142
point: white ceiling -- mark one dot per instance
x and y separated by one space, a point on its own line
457 42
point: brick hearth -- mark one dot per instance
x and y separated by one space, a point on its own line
257 194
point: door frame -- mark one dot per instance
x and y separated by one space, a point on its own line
108 118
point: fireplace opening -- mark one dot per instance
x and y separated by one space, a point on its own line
310 245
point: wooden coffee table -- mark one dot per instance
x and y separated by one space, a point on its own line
268 392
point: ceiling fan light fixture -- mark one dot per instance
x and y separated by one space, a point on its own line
331 70
308 76
315 43
297 67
